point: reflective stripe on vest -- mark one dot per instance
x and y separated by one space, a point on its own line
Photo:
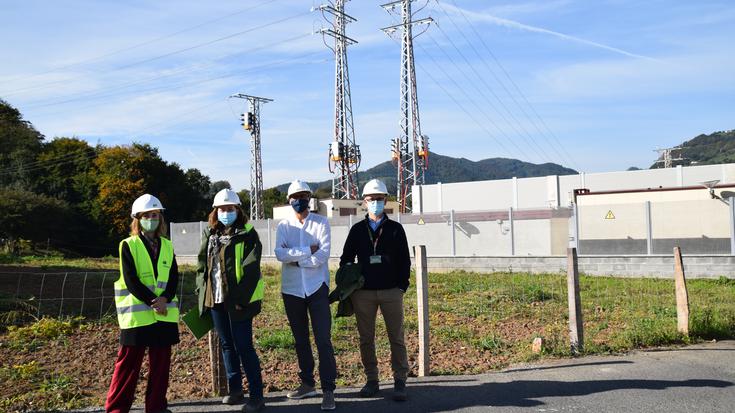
240 263
132 312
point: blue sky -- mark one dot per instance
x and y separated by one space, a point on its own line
609 80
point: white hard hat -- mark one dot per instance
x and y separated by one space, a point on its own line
145 203
374 186
226 197
297 186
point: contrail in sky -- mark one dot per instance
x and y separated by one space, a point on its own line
520 26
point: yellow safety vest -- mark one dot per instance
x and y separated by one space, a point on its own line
132 312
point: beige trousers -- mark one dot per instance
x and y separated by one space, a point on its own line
390 302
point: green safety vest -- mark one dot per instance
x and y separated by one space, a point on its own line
239 263
131 312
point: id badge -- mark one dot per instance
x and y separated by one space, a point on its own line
376 259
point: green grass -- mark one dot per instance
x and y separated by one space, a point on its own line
473 317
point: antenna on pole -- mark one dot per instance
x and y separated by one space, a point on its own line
411 162
344 153
251 123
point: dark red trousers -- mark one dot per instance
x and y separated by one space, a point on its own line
121 395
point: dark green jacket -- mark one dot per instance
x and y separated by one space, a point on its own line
237 293
348 279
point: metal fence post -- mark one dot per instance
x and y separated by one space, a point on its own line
454 235
422 298
576 227
649 229
576 327
731 201
270 247
512 232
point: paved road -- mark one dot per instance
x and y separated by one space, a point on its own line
698 378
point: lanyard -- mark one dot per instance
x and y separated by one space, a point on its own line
374 240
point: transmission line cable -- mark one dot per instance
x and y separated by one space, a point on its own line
42 164
145 43
472 101
529 140
566 154
186 49
86 95
183 85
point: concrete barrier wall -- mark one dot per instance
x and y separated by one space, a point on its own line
654 266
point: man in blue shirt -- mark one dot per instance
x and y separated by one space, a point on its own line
381 248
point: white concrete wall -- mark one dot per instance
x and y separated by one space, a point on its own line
536 192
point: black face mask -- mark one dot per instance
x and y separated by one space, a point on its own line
299 205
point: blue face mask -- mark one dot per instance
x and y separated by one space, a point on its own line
227 218
299 205
376 207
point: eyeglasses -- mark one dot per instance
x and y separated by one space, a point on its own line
375 198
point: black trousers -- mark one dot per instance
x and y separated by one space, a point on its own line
298 311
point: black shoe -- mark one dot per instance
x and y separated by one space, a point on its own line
370 389
253 406
399 390
234 398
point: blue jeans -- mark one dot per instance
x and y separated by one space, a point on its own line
236 338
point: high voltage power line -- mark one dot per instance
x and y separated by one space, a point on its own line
196 46
510 79
145 43
105 93
51 162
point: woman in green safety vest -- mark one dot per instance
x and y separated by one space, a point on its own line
230 287
147 309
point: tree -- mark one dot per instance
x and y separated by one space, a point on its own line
32 217
20 143
121 179
66 171
216 187
272 197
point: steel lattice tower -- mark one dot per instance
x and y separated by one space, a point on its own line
344 153
410 150
251 122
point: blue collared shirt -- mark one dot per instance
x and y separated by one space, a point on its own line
375 224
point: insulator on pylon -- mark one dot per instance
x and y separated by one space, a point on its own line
395 150
336 151
423 149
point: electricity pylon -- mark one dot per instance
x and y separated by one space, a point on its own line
410 150
251 123
344 153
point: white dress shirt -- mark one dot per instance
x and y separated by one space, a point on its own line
293 246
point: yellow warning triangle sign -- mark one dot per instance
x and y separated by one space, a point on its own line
610 215
421 221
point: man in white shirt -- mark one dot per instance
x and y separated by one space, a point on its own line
302 246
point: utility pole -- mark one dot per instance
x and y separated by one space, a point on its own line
251 123
666 158
411 162
344 153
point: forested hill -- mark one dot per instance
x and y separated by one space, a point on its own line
715 148
446 169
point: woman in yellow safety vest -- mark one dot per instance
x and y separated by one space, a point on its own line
147 309
230 287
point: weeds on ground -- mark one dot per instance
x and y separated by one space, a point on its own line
33 336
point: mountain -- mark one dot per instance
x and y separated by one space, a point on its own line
715 148
446 169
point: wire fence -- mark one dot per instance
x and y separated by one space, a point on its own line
487 307
88 294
